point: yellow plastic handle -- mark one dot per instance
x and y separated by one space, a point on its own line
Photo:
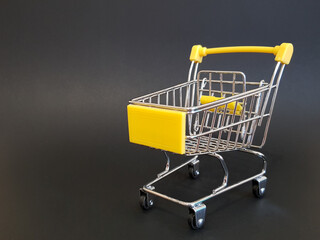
283 52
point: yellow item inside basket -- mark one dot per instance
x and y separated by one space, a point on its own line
158 128
230 106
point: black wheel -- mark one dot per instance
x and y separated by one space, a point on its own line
257 192
145 202
194 171
192 222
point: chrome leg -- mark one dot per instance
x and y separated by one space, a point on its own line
226 172
149 185
167 165
258 154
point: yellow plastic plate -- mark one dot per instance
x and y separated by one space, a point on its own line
157 128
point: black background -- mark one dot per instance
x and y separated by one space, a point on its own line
67 71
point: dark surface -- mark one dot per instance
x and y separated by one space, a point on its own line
67 70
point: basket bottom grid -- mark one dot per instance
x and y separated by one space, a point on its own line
215 145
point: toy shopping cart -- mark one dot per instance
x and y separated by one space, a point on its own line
213 112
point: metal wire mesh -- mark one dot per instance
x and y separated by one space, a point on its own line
214 126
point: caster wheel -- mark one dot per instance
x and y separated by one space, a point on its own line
193 169
145 202
259 186
197 216
193 222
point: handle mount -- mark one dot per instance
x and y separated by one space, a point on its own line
283 52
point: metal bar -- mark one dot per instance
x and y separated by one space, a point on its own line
183 203
249 117
223 72
161 91
270 85
190 123
221 85
201 128
236 82
180 97
174 97
136 100
221 189
212 126
227 100
210 83
259 99
232 121
204 106
244 89
167 98
167 165
188 87
193 92
226 172
221 128
215 192
171 171
233 84
272 106
225 189
222 124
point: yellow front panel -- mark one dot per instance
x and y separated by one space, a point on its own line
157 128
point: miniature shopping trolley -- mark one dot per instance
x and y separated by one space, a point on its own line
213 112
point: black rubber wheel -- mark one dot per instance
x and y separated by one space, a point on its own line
145 202
192 222
192 172
255 190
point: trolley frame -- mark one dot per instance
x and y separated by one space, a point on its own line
229 130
